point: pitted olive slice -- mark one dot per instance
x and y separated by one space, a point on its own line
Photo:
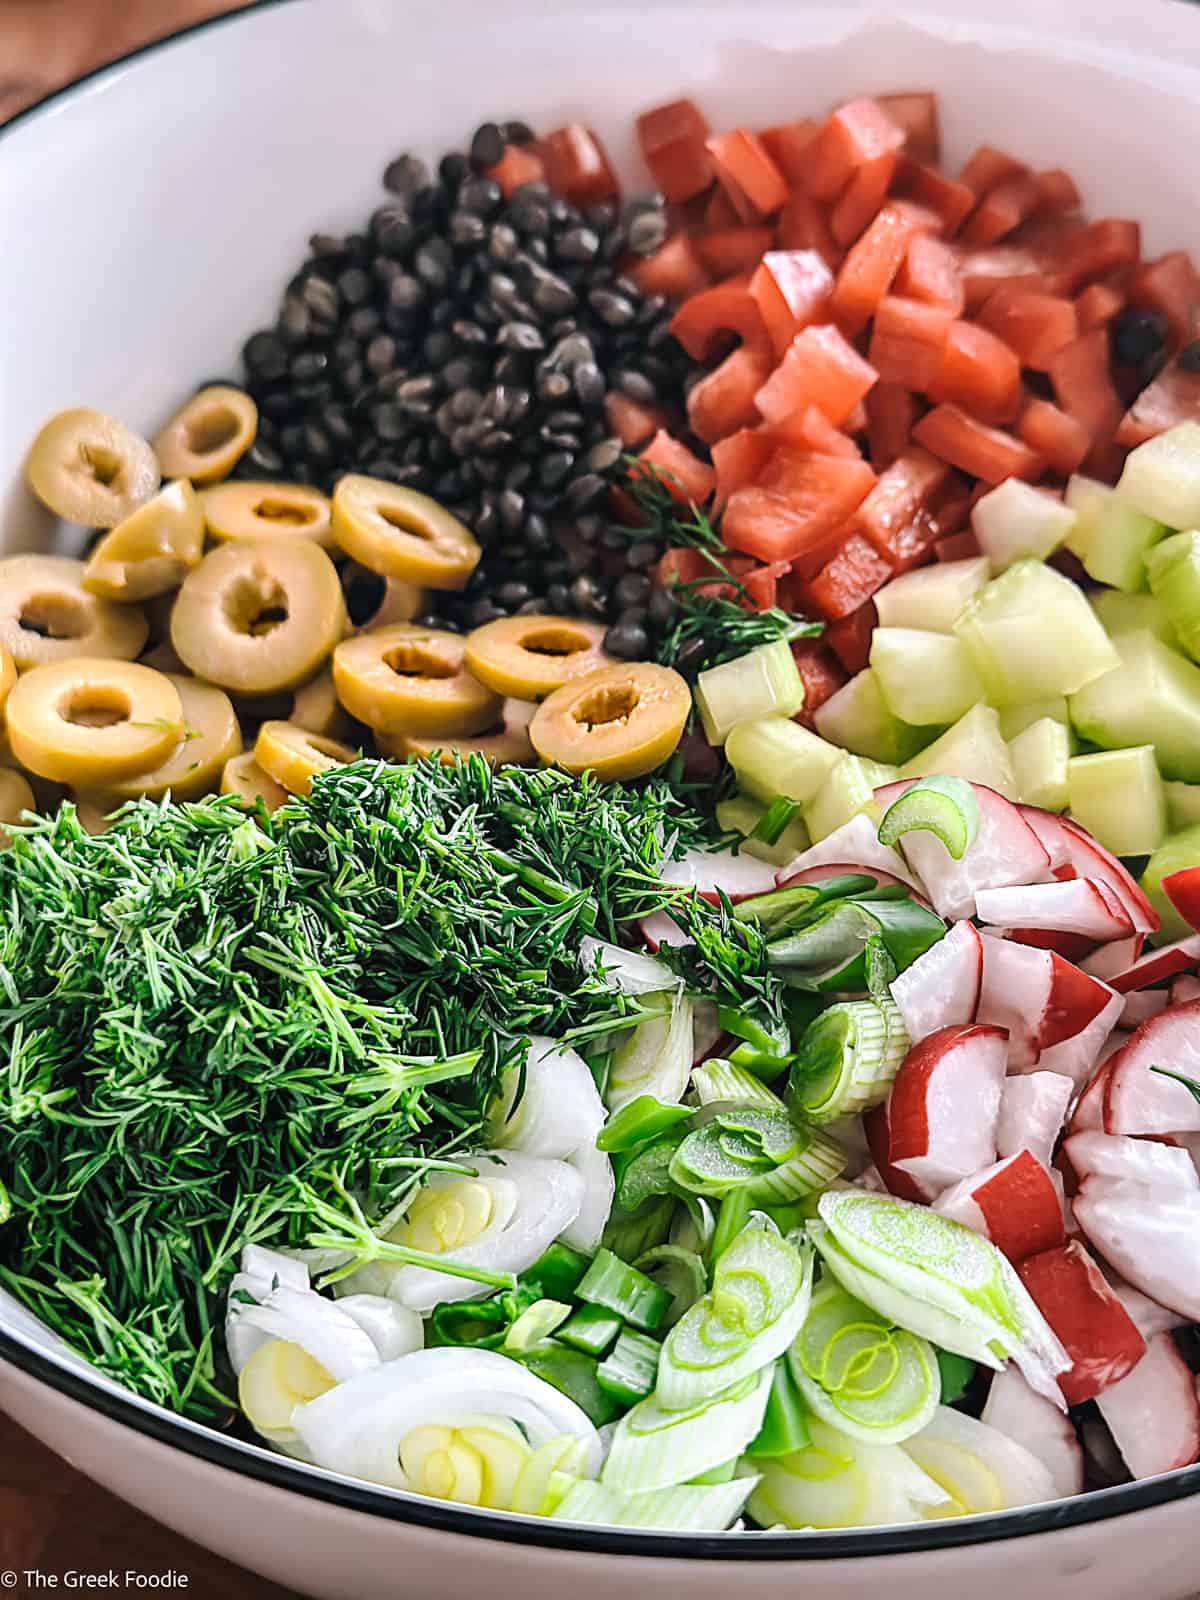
315 706
15 797
407 679
618 722
47 615
255 617
150 552
402 534
532 656
376 602
245 778
91 722
294 757
500 748
90 468
211 737
8 676
207 438
248 510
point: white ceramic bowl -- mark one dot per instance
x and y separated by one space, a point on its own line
150 216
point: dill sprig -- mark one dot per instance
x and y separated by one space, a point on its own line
217 1030
725 629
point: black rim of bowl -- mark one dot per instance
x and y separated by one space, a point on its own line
442 1516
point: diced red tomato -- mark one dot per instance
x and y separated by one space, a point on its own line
917 115
576 165
930 273
1002 209
1170 285
850 637
822 492
862 197
848 580
886 516
804 225
788 145
1057 193
985 271
762 585
728 250
1095 251
671 138
965 442
728 308
725 400
812 430
792 288
908 341
738 460
891 414
1098 305
821 674
980 372
869 269
680 564
674 271
927 187
683 475
821 369
519 164
746 172
1032 325
719 210
988 168
854 134
1062 440
1082 382
1173 397
630 421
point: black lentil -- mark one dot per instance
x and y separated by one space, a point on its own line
1137 335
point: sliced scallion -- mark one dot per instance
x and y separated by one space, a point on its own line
592 1329
534 1325
653 1448
680 1272
614 1284
716 1081
639 1122
785 1422
942 805
847 1060
630 1368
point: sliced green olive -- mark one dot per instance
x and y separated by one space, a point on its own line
8 676
152 550
211 737
315 706
91 468
47 615
294 757
402 534
15 797
532 656
256 617
500 748
248 510
207 438
90 723
379 601
245 778
407 679
618 722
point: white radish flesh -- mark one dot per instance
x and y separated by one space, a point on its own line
1151 1238
1156 966
1070 846
1153 1414
1158 1166
1039 997
1110 959
1147 1316
1185 989
1143 1004
1014 1410
944 1104
1140 1101
714 872
854 841
1077 905
942 986
1076 1057
658 929
1033 1107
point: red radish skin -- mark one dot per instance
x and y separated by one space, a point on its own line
1113 958
1040 998
1139 1101
1033 1107
715 872
944 1103
1182 889
1077 1056
1082 906
1021 1414
1154 1413
1151 1237
1156 966
1013 1203
941 987
904 1187
1069 845
1097 1332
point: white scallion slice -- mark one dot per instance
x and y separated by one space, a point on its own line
847 1059
654 1448
840 1482
656 1057
717 1082
686 1508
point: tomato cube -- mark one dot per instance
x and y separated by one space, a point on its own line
930 273
1002 209
980 372
989 167
1173 397
867 273
576 165
887 515
985 271
862 197
724 400
1098 305
822 491
856 133
927 187
908 341
1032 325
965 442
519 164
1095 251
792 288
917 116
788 146
1082 382
630 421
674 271
685 477
850 637
737 461
725 251
1057 193
753 182
891 414
821 369
672 138
847 580
1171 286
1062 440
812 430
821 674
728 308
804 225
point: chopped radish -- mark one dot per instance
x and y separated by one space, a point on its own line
1152 1238
1185 989
879 1141
1085 1313
1147 1315
1077 1056
1154 1413
1088 1114
941 987
1182 889
1013 1203
659 929
854 841
1113 958
1071 846
715 872
1040 998
943 1106
1005 850
1156 966
1018 1412
1137 1100
834 869
1143 1004
1033 1107
1146 1161
708 1037
1076 905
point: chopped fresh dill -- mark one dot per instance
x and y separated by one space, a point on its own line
727 630
667 520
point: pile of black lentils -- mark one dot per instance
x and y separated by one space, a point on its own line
464 344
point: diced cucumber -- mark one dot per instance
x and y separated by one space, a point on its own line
1183 805
856 717
774 755
1173 569
1112 537
1083 495
847 790
926 679
1032 634
1153 695
1177 851
1117 795
1039 757
741 814
971 749
1015 719
764 682
1162 477
1133 613
1014 521
931 597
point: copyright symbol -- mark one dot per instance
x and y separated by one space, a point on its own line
8 1580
